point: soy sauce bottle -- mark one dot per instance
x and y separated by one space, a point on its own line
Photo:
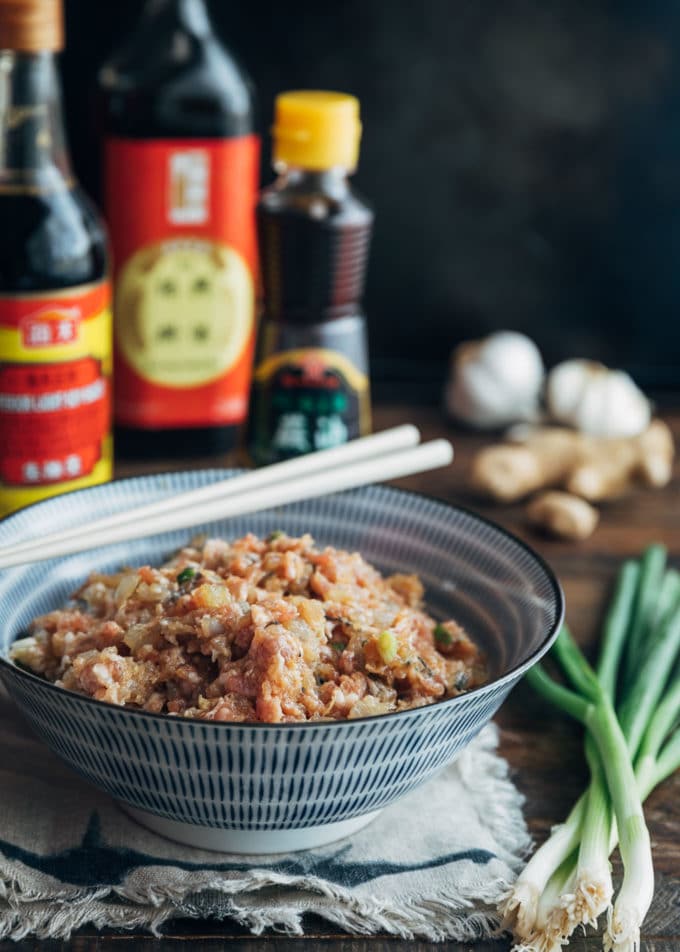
310 385
180 178
55 322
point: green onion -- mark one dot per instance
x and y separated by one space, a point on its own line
594 888
631 744
668 594
659 728
598 717
185 575
615 626
442 635
647 688
668 760
555 912
652 567
276 534
520 908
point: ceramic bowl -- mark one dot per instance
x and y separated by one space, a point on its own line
262 788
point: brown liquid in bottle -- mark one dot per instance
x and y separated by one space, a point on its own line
310 387
56 239
314 235
54 293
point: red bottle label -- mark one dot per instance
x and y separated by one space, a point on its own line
55 393
181 214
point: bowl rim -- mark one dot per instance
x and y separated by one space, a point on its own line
512 674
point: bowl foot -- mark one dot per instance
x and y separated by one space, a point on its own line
248 841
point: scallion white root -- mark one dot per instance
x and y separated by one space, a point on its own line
519 909
594 887
635 896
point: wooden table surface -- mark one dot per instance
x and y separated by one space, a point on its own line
543 749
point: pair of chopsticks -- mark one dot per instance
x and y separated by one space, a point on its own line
387 455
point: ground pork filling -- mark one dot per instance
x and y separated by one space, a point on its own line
268 630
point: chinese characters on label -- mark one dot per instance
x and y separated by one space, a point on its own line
49 330
55 393
308 420
52 470
189 183
292 433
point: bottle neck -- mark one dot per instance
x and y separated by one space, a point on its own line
33 153
190 16
331 182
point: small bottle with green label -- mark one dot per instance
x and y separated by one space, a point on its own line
310 386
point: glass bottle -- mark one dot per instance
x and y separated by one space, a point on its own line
180 182
55 323
310 386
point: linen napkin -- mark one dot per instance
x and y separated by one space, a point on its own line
431 866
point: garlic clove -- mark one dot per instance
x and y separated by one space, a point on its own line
566 385
516 359
478 397
596 400
590 413
495 381
625 403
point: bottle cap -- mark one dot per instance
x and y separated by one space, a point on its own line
31 26
316 130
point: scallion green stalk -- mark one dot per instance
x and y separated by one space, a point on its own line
652 566
616 626
668 594
647 687
668 760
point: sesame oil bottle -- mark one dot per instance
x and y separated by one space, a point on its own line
310 386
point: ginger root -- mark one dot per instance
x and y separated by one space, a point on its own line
593 468
563 514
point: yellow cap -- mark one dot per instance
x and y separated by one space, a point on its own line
316 130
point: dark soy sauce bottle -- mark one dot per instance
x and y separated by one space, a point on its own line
55 340
310 385
53 237
180 181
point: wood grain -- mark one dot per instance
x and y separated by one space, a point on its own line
543 750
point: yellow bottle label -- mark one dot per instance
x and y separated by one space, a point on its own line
55 393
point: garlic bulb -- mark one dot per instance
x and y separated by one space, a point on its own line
495 381
598 401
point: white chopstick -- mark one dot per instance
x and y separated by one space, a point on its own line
402 462
396 438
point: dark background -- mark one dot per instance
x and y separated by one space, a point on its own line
522 156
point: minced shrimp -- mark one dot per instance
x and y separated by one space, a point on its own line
267 630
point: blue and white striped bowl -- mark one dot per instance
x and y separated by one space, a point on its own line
260 788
